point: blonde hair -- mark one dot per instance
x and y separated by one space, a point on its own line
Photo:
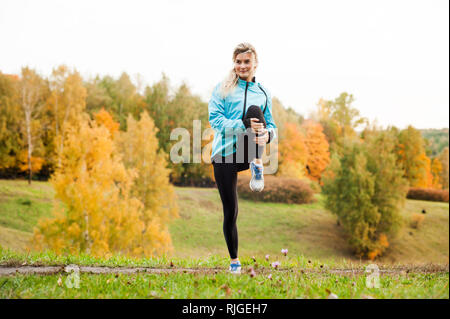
230 82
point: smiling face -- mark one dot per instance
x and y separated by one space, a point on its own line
245 66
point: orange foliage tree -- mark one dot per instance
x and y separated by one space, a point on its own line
103 117
318 149
293 153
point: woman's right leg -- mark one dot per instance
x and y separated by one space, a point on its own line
225 175
255 151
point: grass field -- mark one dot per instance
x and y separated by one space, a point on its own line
318 264
192 286
296 277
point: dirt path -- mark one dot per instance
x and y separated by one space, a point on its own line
50 270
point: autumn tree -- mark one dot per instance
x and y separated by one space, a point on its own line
436 170
411 155
139 146
95 210
293 153
11 142
33 91
103 117
365 188
66 104
318 149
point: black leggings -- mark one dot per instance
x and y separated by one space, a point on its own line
225 174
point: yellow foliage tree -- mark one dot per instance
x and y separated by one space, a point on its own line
33 91
139 146
11 121
412 157
436 170
94 210
67 103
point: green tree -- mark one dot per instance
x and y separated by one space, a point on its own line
157 100
121 98
339 119
97 96
365 189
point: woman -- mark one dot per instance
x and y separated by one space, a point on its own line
240 112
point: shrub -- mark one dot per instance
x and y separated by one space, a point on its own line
277 189
416 220
435 195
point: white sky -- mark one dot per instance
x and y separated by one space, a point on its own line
393 56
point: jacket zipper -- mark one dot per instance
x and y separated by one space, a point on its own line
245 101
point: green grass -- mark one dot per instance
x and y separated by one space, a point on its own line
297 277
11 258
21 205
193 286
264 228
317 247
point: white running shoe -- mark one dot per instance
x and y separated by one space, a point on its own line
257 181
235 268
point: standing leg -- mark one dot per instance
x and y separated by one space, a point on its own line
226 179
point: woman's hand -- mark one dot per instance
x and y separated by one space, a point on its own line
256 125
259 128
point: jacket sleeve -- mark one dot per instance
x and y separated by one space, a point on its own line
270 124
217 118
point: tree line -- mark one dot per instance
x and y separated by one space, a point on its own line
35 111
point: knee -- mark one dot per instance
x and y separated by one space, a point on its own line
230 217
256 112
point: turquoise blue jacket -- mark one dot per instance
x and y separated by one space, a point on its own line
225 115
